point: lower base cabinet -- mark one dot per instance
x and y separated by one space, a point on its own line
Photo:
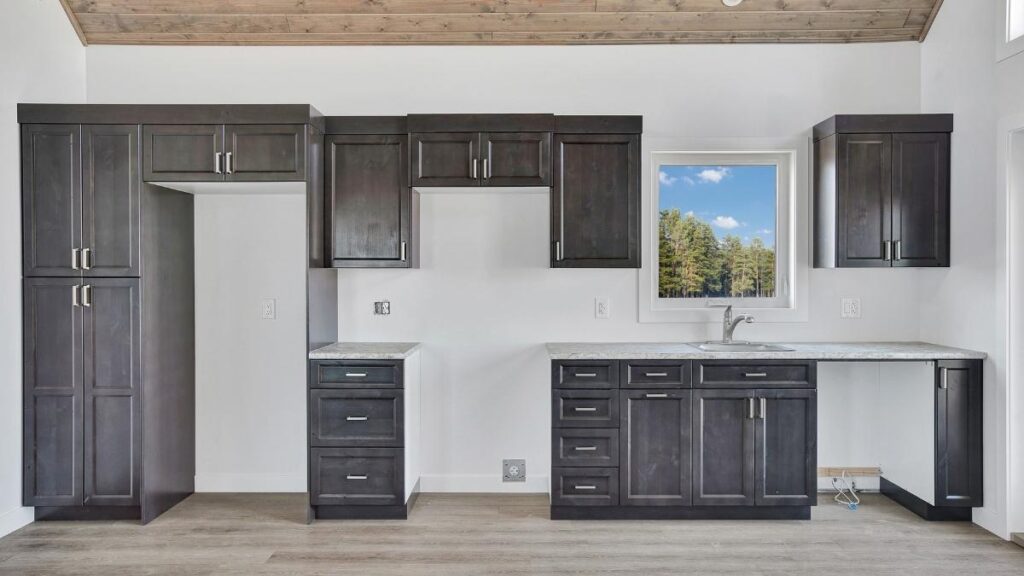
356 476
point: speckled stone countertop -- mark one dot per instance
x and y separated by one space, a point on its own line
836 351
365 351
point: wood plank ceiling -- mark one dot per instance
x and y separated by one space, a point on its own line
329 22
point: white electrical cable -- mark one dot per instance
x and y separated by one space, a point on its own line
846 494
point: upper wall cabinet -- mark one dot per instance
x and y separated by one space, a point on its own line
481 159
881 191
80 192
216 152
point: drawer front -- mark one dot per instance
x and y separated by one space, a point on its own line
584 486
356 476
585 447
759 374
585 409
592 374
356 374
656 374
356 418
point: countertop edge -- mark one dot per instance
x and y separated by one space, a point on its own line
915 351
365 351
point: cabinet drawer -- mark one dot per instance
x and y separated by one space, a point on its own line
656 374
585 409
593 374
584 486
584 447
758 374
356 374
356 476
356 418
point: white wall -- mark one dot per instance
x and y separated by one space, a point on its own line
963 305
485 300
41 60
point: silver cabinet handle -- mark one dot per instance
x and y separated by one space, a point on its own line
887 248
229 165
355 374
356 477
750 408
472 167
585 409
403 251
487 168
87 295
585 448
585 487
899 250
655 395
216 163
656 374
74 258
356 418
755 374
558 251
944 378
585 374
74 295
764 408
86 258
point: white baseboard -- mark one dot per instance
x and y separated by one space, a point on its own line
14 519
250 482
481 483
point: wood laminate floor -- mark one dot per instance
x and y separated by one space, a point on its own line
264 534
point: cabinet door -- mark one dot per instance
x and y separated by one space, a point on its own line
111 212
723 448
864 176
516 158
183 153
265 153
786 455
595 203
369 203
51 183
445 159
112 377
958 442
655 451
52 392
920 199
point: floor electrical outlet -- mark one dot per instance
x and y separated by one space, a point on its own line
513 470
382 308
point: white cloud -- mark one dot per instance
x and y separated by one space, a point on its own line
665 179
766 231
725 222
713 175
689 181
689 213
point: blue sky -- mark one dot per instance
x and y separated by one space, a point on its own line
737 200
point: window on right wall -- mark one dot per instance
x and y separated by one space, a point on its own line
1014 19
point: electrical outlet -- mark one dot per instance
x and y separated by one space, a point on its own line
851 308
513 470
382 308
602 308
268 309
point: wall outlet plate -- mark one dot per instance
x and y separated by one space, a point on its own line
268 309
602 308
382 308
850 308
513 470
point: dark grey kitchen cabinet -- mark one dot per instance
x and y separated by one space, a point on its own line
958 434
723 447
81 199
369 203
595 201
655 435
356 476
82 392
224 152
786 448
445 159
371 417
516 158
881 191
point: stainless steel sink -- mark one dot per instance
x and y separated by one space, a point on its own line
741 347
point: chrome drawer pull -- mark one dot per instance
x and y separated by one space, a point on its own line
355 374
586 375
756 374
585 487
585 448
585 409
655 395
356 418
356 477
656 374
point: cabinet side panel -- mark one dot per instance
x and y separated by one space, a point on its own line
412 425
906 435
824 208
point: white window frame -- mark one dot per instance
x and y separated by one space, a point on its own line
1010 33
790 302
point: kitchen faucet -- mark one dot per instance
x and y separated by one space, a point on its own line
729 323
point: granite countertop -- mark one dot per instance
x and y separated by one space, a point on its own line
365 351
801 351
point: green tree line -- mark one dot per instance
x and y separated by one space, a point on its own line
694 263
